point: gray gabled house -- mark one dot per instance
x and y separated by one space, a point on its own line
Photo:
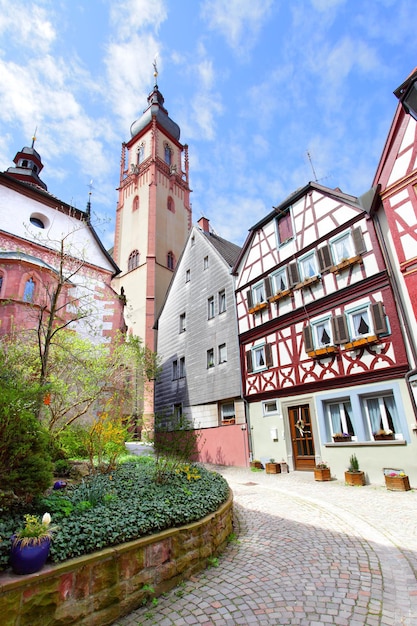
199 351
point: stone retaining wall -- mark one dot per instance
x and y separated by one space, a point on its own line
96 589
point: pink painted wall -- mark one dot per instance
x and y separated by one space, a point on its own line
224 445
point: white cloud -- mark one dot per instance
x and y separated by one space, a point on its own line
29 26
130 16
238 21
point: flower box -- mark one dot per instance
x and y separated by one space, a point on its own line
259 307
340 438
272 468
355 479
363 341
397 483
385 437
279 295
322 473
322 352
256 465
345 264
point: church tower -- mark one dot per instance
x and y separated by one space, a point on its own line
153 214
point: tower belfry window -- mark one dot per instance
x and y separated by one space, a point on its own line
167 154
133 260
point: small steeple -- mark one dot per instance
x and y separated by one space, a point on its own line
28 166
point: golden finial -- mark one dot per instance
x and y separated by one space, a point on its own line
34 137
155 69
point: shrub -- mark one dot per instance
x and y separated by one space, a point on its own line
25 463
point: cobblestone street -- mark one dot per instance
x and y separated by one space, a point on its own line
307 553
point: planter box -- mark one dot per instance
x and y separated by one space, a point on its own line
384 437
355 479
322 474
397 483
256 464
340 439
273 468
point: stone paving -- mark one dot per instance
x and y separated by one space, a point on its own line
307 553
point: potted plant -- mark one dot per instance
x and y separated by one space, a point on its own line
396 480
354 476
272 467
341 437
383 435
30 545
322 471
255 464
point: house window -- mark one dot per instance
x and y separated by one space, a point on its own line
37 222
339 416
284 228
182 367
177 411
381 414
222 301
342 248
270 407
187 276
133 260
175 369
322 333
170 260
227 412
210 307
206 262
258 293
29 291
308 266
182 323
167 154
259 358
279 281
210 358
222 353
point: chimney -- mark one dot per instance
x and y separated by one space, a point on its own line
203 222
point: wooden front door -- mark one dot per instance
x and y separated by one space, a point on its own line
302 437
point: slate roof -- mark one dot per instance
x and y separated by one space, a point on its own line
228 250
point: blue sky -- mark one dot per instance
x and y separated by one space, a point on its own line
255 85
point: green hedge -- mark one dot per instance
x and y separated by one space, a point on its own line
108 509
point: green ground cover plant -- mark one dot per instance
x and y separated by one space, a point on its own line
107 509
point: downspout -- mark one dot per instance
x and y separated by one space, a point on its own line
245 402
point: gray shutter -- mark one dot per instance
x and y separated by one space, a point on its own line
308 338
268 290
358 240
379 319
249 362
340 329
293 274
325 258
249 298
268 355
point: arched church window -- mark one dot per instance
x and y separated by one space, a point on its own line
170 260
133 260
170 204
1 282
135 205
168 154
29 290
141 153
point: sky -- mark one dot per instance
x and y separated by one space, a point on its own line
269 94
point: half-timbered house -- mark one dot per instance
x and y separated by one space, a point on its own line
322 348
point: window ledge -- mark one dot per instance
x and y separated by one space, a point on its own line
322 352
307 282
363 341
279 295
362 444
259 307
345 264
229 421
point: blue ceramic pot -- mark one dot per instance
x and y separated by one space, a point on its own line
30 558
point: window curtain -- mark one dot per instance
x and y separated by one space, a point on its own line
391 410
335 418
374 414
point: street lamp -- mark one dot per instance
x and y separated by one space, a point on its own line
407 94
